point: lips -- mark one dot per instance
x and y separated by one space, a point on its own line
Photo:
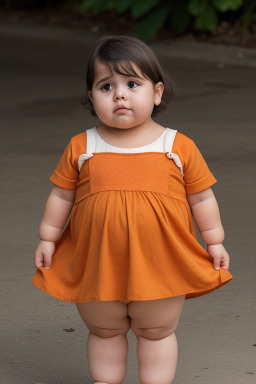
120 108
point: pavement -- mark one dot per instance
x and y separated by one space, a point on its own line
42 72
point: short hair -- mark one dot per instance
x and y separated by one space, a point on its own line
118 53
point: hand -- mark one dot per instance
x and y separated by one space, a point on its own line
44 253
219 255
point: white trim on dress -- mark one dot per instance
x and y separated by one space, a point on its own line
165 145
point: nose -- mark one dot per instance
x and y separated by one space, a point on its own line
120 94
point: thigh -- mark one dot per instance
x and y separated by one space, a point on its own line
155 318
105 318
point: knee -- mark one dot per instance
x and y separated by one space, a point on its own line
109 332
153 333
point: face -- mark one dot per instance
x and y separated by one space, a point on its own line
122 101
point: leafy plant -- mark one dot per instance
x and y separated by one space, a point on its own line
249 13
151 15
206 12
177 15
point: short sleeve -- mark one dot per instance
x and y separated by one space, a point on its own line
197 175
66 174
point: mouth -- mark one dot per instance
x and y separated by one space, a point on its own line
121 108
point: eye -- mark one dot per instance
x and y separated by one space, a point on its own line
106 87
132 84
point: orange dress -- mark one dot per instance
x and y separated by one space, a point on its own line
130 235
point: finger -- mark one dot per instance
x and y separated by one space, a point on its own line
225 264
216 263
47 262
39 261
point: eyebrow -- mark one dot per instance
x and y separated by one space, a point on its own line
103 80
124 74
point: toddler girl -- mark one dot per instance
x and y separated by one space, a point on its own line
129 256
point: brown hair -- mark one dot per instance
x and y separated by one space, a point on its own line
118 53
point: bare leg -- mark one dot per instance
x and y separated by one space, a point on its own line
107 358
157 359
154 323
107 345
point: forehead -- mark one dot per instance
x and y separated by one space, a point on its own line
102 69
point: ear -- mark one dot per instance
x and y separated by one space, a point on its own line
159 90
90 95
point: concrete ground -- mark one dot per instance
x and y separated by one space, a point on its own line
42 73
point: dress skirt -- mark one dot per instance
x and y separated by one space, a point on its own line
130 235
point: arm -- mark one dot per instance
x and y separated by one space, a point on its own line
56 213
206 214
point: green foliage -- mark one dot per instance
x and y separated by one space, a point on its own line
206 11
124 5
226 5
140 8
151 15
149 25
249 14
207 20
179 18
197 7
98 6
177 15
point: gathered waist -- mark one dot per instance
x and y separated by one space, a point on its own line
82 193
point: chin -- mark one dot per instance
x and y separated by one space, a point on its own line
121 126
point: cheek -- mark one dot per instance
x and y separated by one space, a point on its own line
100 103
147 107
102 109
97 98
